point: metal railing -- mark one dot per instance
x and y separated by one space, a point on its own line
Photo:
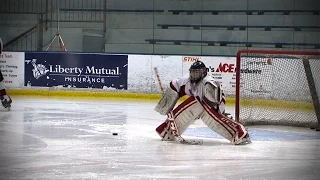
50 7
32 38
29 40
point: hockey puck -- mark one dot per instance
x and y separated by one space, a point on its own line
114 134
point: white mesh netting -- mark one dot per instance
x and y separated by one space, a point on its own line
275 88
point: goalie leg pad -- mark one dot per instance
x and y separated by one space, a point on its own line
226 127
167 102
187 113
183 116
164 131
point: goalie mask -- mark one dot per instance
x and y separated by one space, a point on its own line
197 72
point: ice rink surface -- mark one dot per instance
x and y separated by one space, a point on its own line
72 139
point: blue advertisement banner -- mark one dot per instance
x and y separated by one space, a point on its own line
76 70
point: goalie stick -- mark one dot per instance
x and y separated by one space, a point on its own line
172 122
158 78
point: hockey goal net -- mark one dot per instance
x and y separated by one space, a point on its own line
278 88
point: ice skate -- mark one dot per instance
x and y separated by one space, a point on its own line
245 140
6 101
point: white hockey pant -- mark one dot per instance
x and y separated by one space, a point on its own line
190 110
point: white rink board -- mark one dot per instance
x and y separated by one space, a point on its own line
12 68
141 77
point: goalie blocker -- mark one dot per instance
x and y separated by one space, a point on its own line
206 102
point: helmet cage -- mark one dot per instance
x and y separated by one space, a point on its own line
196 75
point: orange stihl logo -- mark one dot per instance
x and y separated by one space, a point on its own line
190 59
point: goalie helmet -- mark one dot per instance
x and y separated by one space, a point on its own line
197 72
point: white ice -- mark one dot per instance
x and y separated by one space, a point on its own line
46 138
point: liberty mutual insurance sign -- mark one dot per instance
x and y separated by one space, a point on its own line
78 70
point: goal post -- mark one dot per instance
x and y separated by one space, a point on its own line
278 88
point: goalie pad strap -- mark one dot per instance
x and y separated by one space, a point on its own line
167 102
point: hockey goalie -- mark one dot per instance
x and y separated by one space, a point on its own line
4 98
206 102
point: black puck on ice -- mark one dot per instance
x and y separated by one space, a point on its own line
114 134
